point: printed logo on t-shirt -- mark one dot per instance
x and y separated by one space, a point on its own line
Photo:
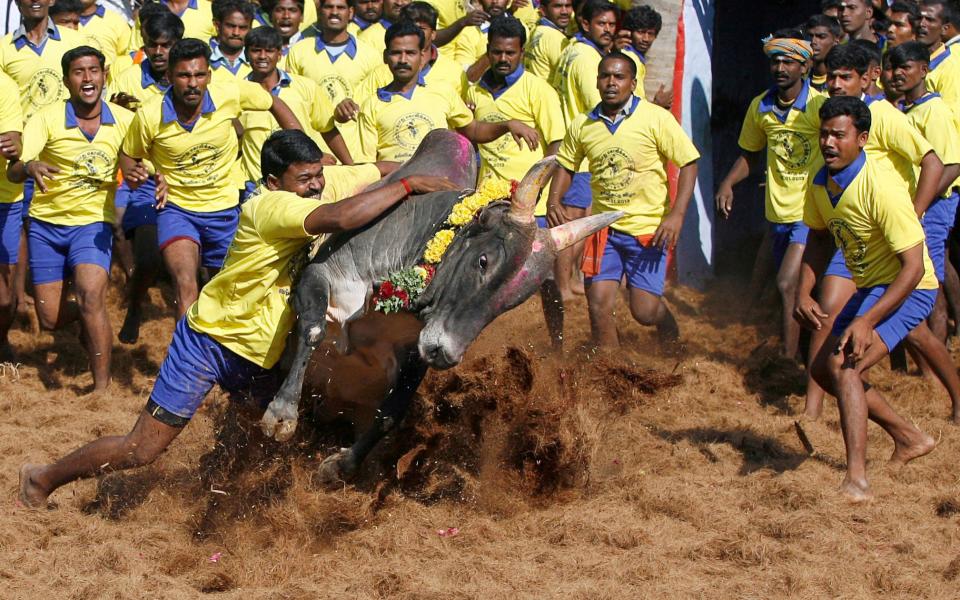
91 168
44 88
410 130
336 87
793 149
853 248
615 169
195 166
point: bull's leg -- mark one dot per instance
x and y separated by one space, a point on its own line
343 465
310 303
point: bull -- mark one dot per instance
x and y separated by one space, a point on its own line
494 264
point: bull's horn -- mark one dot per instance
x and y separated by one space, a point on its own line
524 198
570 233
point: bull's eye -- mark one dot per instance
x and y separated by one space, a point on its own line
482 262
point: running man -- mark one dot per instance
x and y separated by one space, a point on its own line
783 120
70 150
235 333
188 136
896 147
549 39
865 211
11 210
627 142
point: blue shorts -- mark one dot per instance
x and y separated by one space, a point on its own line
785 234
542 222
645 267
249 189
11 224
27 196
56 250
937 223
212 231
838 266
140 208
578 194
895 326
195 362
122 198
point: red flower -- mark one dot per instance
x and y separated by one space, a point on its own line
514 184
402 295
386 289
431 271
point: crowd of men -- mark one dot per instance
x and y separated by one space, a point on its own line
215 141
859 132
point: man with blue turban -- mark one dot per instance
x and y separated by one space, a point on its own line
784 120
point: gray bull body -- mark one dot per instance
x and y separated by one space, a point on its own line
493 264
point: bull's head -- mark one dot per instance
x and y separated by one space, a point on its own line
495 263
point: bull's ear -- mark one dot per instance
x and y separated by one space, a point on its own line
570 233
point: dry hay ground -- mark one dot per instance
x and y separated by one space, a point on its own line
624 475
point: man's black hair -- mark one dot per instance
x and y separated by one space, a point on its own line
403 29
163 24
848 56
263 37
948 11
826 5
870 48
617 55
829 23
80 52
421 12
507 27
224 8
910 9
909 52
284 148
592 8
61 7
151 9
789 32
642 17
847 106
188 49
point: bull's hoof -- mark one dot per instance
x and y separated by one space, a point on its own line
279 421
335 470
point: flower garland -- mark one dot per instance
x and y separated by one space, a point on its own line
402 288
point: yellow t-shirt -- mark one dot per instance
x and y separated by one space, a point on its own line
197 20
943 76
471 44
37 71
932 117
245 306
82 192
137 81
793 149
120 65
106 31
546 44
444 71
629 162
576 77
393 125
308 103
641 63
338 76
373 35
895 144
871 223
199 163
448 12
11 119
528 99
222 71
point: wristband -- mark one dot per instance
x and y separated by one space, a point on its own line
406 185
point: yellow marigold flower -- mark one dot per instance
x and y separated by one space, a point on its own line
421 273
438 246
461 215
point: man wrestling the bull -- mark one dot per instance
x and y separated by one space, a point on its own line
234 334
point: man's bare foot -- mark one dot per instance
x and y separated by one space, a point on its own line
922 445
130 332
856 491
31 495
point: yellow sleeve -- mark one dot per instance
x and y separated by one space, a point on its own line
342 181
253 97
284 216
547 114
943 139
11 113
895 218
752 137
369 86
903 138
673 141
369 138
136 144
458 115
585 78
35 136
811 214
321 109
293 61
463 51
570 154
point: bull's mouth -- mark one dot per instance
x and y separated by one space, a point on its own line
436 353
